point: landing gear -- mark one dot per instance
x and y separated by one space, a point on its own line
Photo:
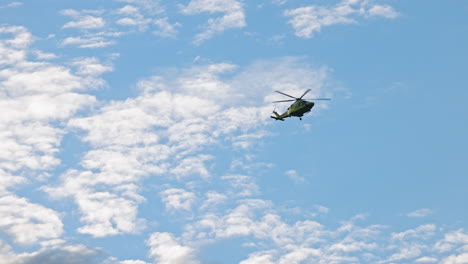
300 118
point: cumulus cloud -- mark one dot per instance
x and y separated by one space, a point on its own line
233 17
277 239
456 259
194 165
178 199
66 254
242 185
50 93
422 231
90 66
213 198
83 19
63 255
34 97
165 248
452 240
13 48
164 132
132 17
309 20
28 222
165 29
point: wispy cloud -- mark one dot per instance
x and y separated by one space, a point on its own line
83 19
165 29
309 20
420 213
132 17
295 177
12 4
234 16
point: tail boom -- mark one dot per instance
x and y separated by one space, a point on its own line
276 116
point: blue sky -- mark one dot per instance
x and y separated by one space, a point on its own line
138 131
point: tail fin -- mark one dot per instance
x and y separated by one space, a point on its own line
276 116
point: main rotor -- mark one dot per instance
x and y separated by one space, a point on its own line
297 98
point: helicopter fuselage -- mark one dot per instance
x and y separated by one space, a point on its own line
298 108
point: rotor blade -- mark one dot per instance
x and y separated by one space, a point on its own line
308 90
286 94
315 99
282 101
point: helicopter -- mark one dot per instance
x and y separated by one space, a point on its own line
298 108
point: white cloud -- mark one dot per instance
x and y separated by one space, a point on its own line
456 259
279 2
27 222
12 4
280 240
86 22
212 199
88 42
178 199
167 250
237 222
308 20
426 260
322 209
192 166
94 31
66 254
62 255
420 213
13 50
233 17
243 185
133 17
132 262
129 10
258 258
90 67
152 6
423 231
383 11
295 177
166 29
452 240
105 213
82 19
165 131
457 237
405 253
44 55
33 94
